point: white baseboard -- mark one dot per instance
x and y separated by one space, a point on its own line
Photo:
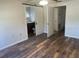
13 44
72 36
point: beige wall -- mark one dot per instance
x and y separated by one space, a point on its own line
12 23
72 19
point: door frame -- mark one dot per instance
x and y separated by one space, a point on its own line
26 19
58 17
35 18
48 19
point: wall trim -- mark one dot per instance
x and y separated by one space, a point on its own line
13 44
74 37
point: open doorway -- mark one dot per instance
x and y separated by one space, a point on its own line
59 18
34 20
30 15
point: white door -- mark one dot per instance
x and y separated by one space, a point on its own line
50 21
39 14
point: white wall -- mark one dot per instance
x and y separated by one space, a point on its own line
12 23
45 19
30 11
72 19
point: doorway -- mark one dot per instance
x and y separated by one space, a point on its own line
34 20
59 18
30 15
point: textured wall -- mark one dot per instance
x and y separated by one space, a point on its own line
12 23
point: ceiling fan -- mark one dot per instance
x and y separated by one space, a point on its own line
58 0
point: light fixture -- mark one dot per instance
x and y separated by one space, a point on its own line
43 2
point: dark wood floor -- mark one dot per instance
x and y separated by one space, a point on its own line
41 47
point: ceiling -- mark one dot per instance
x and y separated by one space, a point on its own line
37 1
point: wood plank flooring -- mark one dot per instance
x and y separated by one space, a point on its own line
56 46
